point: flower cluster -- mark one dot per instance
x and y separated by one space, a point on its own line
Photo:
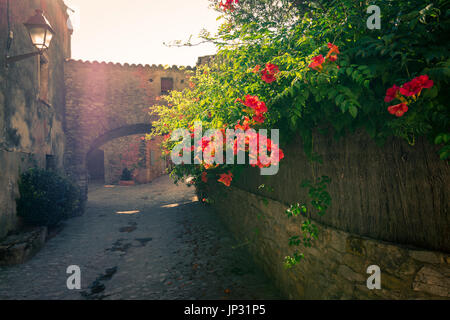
255 106
258 157
407 93
268 74
228 4
226 178
318 61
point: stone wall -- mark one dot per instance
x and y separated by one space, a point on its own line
31 120
106 101
389 208
147 164
335 266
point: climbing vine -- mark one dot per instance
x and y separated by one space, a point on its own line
307 66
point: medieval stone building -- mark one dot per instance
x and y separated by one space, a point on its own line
32 103
79 118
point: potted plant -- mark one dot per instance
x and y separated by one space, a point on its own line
127 178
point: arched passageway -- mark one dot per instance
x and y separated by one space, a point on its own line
122 148
105 102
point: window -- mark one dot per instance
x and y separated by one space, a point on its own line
166 85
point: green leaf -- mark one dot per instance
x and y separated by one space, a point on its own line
353 110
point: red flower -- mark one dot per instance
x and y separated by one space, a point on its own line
204 143
244 126
259 117
204 177
409 89
333 58
272 68
226 178
261 108
424 81
317 62
333 49
415 86
391 93
268 78
228 4
398 109
254 103
269 72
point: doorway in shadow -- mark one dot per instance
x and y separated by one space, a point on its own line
96 165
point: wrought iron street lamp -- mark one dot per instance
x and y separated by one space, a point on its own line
41 34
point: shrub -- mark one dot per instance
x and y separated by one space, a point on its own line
46 198
126 175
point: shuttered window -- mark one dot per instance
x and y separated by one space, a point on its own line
166 85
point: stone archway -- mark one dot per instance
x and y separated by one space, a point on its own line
146 163
109 101
94 150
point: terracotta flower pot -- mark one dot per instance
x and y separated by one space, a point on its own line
126 183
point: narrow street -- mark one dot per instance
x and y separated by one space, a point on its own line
152 241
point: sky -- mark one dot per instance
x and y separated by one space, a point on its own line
133 31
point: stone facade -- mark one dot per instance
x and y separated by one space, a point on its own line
335 266
106 101
146 162
32 101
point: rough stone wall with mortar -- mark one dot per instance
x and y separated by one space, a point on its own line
335 266
30 128
149 164
389 208
104 97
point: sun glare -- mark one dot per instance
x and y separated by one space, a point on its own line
114 31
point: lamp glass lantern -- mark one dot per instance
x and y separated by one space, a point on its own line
40 30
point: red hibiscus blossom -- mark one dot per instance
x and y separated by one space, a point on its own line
317 62
398 109
226 178
391 93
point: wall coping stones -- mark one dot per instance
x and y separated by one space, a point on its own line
130 66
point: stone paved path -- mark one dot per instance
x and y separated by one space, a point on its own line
174 248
